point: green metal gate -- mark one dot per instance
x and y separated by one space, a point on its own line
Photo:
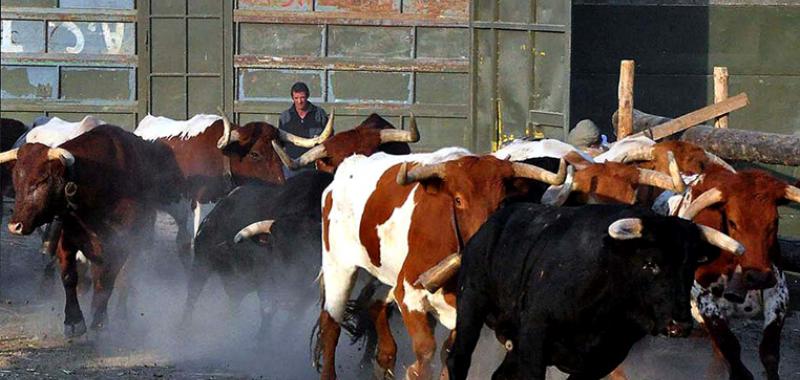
520 69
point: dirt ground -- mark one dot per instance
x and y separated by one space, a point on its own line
148 340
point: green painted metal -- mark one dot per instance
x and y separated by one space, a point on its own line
521 70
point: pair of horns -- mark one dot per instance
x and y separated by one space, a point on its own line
405 177
320 152
672 182
632 228
230 135
52 154
647 154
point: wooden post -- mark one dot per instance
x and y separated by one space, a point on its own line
625 96
721 93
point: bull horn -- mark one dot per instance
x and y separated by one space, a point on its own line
557 195
10 155
61 154
539 174
434 278
792 193
422 172
708 198
644 153
719 239
626 229
675 173
228 135
304 142
257 228
716 160
657 179
396 135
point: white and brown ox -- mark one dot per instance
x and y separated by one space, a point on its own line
398 216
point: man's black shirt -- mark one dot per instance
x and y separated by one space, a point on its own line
312 125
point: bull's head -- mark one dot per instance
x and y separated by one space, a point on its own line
369 137
658 255
690 158
743 205
40 178
249 148
612 182
476 185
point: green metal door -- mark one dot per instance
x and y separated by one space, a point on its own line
186 54
520 69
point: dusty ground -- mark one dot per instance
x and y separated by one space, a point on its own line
149 341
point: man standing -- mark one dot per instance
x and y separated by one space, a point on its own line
303 118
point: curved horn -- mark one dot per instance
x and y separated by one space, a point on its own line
557 195
626 229
313 154
404 177
793 193
61 154
657 179
257 228
675 173
396 135
10 155
716 160
708 198
539 174
228 135
308 142
644 153
721 240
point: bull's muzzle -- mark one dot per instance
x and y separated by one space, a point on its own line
15 228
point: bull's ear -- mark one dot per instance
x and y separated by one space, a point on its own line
432 185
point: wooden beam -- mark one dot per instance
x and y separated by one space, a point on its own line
696 117
641 121
741 145
625 99
721 93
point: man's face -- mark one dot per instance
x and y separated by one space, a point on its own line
300 100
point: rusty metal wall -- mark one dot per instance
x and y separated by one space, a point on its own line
358 56
68 58
521 69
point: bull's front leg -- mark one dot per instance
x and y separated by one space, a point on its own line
776 300
74 325
725 342
386 355
525 356
419 330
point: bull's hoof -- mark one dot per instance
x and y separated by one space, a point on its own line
98 325
381 373
74 330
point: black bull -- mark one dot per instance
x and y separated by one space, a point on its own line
287 259
558 290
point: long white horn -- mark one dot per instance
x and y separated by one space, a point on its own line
644 153
539 174
675 173
715 159
793 193
721 240
61 154
708 198
10 155
404 177
557 195
304 142
396 135
626 229
257 228
228 134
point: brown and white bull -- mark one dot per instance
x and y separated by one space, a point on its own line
104 185
398 216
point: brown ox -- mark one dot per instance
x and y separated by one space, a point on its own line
104 185
414 218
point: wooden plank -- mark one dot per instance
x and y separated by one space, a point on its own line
347 18
625 99
721 93
68 14
354 64
696 117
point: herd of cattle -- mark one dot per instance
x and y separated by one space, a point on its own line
569 258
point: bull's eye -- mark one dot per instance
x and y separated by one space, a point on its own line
732 225
652 267
459 201
255 156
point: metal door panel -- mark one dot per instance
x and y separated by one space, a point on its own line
204 46
168 7
168 45
205 95
83 83
281 40
369 41
442 43
442 88
168 97
350 86
274 84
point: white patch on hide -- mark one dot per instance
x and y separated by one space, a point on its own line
58 131
521 150
157 127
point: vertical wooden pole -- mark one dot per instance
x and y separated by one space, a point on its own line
721 93
625 96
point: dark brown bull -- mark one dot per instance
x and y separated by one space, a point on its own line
104 185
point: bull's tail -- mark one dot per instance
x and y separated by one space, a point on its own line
357 321
315 340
